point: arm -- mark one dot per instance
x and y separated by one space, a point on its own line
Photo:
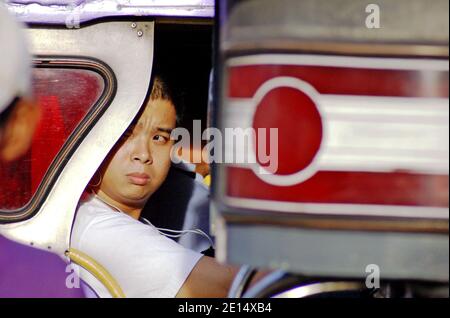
210 279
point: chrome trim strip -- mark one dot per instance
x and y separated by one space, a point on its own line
370 210
385 63
320 288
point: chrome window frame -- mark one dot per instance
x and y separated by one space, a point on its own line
57 165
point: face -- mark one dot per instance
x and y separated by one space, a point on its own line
139 163
17 133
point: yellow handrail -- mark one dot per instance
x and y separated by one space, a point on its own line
99 272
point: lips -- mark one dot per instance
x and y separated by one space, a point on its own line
138 178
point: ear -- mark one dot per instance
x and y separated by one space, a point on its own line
19 129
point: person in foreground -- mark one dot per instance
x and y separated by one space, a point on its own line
24 271
108 227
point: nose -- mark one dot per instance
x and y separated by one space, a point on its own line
141 152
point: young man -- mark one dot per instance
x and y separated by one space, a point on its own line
24 271
144 262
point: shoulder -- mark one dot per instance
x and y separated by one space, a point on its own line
120 243
92 215
96 223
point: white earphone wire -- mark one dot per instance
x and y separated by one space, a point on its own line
162 230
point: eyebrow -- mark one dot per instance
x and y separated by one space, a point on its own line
163 129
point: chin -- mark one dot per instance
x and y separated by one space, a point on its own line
136 195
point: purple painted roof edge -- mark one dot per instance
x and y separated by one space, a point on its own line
68 12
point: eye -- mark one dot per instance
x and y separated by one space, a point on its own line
160 139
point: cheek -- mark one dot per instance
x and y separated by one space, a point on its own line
161 162
115 166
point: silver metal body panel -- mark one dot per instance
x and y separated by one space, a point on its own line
329 253
79 11
401 21
50 228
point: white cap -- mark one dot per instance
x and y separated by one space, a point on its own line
15 61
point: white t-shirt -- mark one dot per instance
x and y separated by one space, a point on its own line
144 262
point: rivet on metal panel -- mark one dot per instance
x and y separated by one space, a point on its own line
140 33
285 266
273 264
133 25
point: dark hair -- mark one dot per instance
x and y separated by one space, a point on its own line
4 116
162 90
